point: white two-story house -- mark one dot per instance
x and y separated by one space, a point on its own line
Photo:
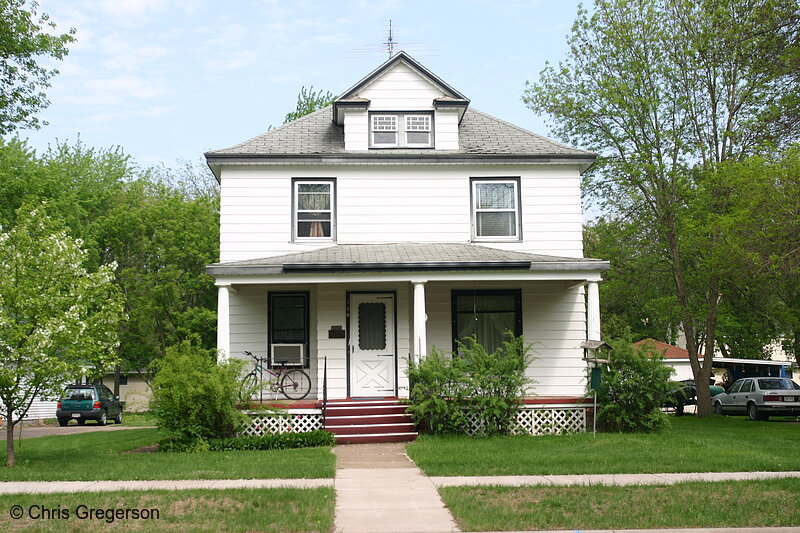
399 219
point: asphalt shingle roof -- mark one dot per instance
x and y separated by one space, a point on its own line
429 256
479 134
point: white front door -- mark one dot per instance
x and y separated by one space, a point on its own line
373 358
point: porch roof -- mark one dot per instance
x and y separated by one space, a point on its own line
404 257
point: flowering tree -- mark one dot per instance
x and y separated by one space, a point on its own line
56 318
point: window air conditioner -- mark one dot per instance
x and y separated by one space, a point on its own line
287 354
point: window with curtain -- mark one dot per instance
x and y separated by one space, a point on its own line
486 315
495 209
314 209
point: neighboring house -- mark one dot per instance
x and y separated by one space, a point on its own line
134 390
399 219
724 369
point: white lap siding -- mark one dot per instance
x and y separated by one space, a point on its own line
387 204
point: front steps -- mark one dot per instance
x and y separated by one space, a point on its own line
367 421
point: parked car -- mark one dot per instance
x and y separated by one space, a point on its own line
89 402
682 394
760 398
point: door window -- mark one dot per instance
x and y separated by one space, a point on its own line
372 326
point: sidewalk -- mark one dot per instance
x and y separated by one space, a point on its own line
379 490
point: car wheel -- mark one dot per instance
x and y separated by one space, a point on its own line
118 418
63 422
81 421
718 409
752 412
103 419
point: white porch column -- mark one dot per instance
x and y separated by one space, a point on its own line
420 332
592 311
223 323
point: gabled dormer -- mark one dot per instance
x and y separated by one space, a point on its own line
401 105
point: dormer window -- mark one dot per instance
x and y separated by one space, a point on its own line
401 130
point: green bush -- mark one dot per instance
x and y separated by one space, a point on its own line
282 441
487 386
195 398
633 388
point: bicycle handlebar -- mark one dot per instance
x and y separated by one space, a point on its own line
255 357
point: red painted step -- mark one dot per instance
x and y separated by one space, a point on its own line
365 410
372 439
373 420
399 418
371 429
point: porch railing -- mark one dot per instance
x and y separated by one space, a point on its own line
324 388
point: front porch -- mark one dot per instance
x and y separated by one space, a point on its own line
353 317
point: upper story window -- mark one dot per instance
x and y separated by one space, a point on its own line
314 215
401 130
495 209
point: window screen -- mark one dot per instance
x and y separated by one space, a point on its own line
495 209
372 326
313 209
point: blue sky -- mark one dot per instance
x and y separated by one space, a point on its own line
167 80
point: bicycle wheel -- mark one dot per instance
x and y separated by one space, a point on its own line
248 387
295 384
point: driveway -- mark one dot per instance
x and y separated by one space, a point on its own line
31 432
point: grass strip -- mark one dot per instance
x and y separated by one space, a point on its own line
764 503
270 510
716 444
104 456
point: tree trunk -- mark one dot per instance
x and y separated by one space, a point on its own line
701 372
11 458
117 372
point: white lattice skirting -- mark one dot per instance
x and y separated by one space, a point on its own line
546 421
294 421
540 421
530 421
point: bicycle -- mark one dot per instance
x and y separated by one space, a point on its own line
294 384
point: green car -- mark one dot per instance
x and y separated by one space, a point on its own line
89 402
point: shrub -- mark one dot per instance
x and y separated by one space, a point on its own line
277 441
195 398
445 389
633 388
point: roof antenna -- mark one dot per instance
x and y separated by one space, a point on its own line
390 42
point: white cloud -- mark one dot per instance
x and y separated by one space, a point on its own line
116 91
232 60
127 56
130 9
98 119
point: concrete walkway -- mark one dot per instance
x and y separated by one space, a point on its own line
379 490
607 479
51 487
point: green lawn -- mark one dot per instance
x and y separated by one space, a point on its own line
717 444
101 456
685 505
270 510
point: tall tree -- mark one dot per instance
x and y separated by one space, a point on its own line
160 226
309 101
665 91
57 319
25 38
